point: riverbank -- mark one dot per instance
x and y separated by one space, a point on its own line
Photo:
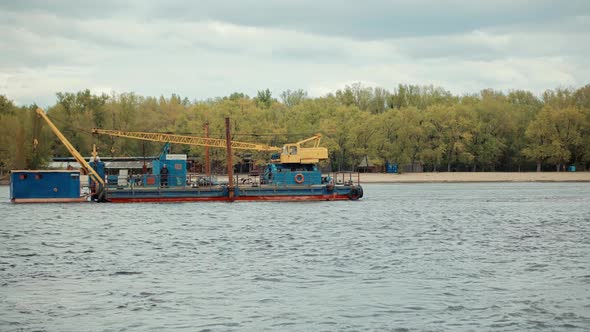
475 177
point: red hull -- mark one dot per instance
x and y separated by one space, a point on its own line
301 198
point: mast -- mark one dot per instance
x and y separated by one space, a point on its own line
207 161
230 168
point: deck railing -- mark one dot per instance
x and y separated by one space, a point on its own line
196 180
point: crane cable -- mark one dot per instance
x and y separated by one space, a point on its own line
36 132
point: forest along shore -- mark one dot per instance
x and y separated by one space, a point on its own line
476 177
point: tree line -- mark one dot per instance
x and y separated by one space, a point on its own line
420 128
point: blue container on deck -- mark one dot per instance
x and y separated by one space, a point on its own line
40 186
390 168
176 170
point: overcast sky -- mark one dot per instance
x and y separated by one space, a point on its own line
208 49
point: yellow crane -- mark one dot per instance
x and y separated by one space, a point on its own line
290 153
296 153
83 163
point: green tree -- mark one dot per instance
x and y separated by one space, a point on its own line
410 138
490 131
555 135
264 98
454 127
293 98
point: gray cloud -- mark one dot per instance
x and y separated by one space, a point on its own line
215 48
71 8
373 19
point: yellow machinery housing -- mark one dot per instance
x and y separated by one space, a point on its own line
294 153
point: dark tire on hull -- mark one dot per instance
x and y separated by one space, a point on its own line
101 197
355 193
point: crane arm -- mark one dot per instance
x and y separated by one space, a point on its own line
85 165
315 137
183 139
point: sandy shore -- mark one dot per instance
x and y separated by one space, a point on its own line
476 177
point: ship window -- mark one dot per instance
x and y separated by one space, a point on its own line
22 176
38 176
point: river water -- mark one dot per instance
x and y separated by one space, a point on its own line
407 257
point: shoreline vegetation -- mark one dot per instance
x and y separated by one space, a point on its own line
419 128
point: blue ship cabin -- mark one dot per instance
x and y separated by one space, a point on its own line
40 186
176 165
292 174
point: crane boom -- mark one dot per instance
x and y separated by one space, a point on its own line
85 165
183 139
315 138
292 153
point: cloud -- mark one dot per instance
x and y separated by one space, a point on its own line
202 51
372 19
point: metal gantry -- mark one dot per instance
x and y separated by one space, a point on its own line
184 139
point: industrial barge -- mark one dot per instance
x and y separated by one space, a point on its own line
292 175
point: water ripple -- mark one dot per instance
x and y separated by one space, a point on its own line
432 257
